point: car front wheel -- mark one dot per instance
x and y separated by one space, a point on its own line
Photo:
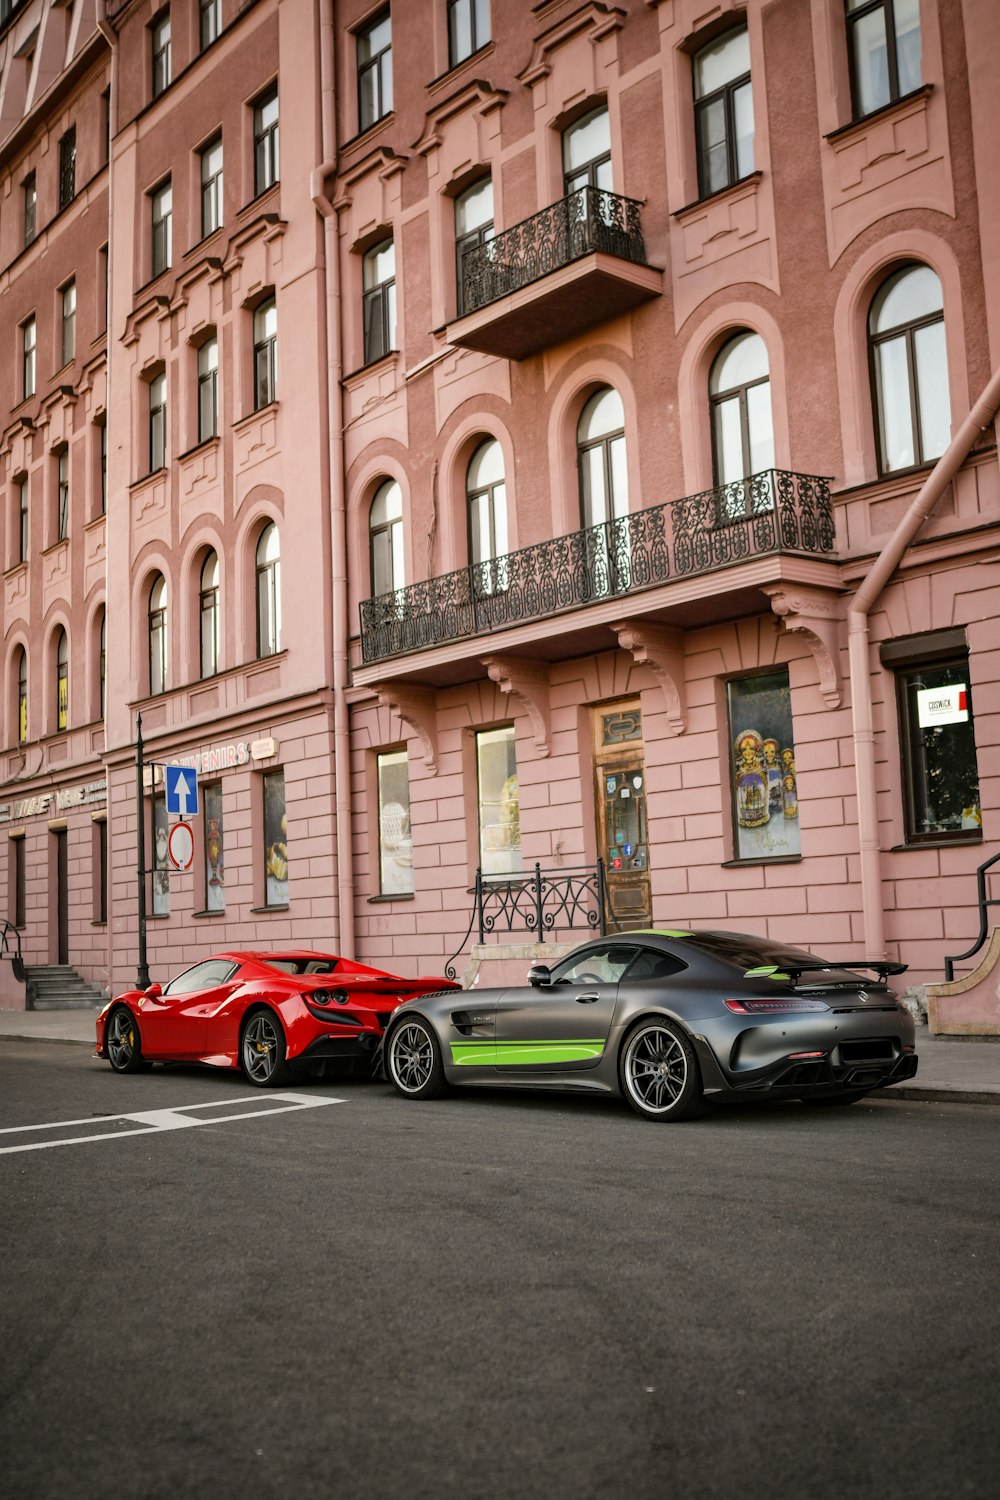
658 1073
414 1060
262 1050
121 1041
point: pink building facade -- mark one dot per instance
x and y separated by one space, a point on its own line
521 466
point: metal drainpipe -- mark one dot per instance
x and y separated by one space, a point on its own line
858 611
109 34
338 509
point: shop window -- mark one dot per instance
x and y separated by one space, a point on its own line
739 388
395 841
269 592
161 871
765 797
62 681
910 369
385 538
209 615
468 28
883 43
215 861
941 797
498 803
378 279
723 112
275 840
374 55
265 141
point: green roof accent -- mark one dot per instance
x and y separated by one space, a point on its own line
670 932
765 971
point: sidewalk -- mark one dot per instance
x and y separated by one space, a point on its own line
951 1070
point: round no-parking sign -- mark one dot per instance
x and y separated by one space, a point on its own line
180 846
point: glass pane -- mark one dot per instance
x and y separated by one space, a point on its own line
898 450
713 158
586 140
909 295
743 359
374 39
933 400
593 493
486 466
619 477
942 769
388 504
368 101
871 66
603 414
721 61
398 567
275 841
215 887
761 431
499 809
475 207
766 809
728 441
390 315
743 114
908 62
395 842
460 28
479 528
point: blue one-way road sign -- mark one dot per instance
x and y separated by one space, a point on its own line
181 791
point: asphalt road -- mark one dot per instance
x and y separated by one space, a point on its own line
490 1295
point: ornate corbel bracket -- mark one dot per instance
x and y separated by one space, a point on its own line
817 614
662 650
416 706
529 683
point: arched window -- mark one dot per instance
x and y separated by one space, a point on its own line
487 496
910 369
385 539
102 649
739 388
22 696
62 680
268 592
158 635
209 615
601 458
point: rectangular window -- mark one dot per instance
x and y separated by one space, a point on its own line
68 307
162 203
62 494
265 355
102 287
157 423
20 881
67 168
265 141
883 40
938 744
208 390
161 872
106 124
29 333
275 840
103 461
22 518
215 887
211 21
395 843
468 28
379 301
29 195
765 804
499 807
211 188
374 71
159 33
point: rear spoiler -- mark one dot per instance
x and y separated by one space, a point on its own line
793 971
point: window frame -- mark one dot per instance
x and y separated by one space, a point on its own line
157 423
212 187
22 698
23 516
604 442
475 9
62 493
62 681
716 399
208 390
209 619
394 847
157 622
494 503
380 66
265 355
29 208
386 537
67 168
266 143
67 294
905 331
160 42
851 21
727 93
907 662
267 591
29 357
378 306
508 838
209 19
471 240
161 225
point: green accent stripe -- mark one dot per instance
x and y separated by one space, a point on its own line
492 1054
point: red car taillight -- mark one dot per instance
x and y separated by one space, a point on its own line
770 1007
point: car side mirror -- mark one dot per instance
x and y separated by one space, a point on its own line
539 975
152 990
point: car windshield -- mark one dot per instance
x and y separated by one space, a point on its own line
744 952
303 965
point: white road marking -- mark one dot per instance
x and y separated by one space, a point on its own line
152 1121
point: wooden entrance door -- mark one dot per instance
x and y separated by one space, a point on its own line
622 833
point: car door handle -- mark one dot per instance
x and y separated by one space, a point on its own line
587 999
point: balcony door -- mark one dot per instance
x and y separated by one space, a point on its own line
622 834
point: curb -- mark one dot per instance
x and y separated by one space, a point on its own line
943 1093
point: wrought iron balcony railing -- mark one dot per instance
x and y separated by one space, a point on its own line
774 511
588 219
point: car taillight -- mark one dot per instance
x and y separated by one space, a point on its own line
327 997
770 1007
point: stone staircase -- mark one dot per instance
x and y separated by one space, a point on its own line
59 987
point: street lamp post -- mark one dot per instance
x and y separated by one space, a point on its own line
142 976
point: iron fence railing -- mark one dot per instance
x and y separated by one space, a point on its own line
774 511
983 902
540 902
588 219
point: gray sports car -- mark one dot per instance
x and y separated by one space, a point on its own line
669 1020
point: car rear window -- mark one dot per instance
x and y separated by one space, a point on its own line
745 952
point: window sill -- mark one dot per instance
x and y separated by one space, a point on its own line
258 411
263 911
922 92
449 74
99 922
208 442
385 900
153 474
383 359
953 841
730 187
201 915
777 859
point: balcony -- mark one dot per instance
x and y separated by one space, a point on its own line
769 513
577 263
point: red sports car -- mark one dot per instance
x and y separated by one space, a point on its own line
267 1013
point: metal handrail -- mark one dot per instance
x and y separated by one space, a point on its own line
983 902
542 902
